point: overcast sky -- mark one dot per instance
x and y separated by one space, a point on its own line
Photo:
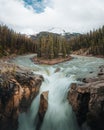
31 16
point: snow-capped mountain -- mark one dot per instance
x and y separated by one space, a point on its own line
56 30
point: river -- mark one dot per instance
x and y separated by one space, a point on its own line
59 115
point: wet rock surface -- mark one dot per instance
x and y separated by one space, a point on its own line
87 101
17 91
43 106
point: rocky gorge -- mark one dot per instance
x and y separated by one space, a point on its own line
86 96
87 100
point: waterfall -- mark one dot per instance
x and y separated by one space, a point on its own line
59 115
27 120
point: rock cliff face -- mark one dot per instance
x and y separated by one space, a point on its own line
16 94
87 101
43 106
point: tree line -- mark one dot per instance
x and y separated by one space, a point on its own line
12 42
51 46
91 43
47 45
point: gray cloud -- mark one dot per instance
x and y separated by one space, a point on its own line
70 15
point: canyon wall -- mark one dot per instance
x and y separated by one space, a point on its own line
87 101
17 91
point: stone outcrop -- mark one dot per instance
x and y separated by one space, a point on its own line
87 101
43 104
17 91
57 70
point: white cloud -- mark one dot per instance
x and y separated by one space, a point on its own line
70 15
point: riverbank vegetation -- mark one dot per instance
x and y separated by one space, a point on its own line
51 45
14 43
90 43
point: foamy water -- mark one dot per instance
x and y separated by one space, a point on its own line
59 115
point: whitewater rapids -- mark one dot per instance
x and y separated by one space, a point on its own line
59 115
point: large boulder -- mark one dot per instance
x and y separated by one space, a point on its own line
43 104
57 70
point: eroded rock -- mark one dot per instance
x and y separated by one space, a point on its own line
88 103
43 104
16 94
57 70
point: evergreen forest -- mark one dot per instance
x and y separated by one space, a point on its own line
51 45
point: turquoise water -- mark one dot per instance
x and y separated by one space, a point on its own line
59 115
